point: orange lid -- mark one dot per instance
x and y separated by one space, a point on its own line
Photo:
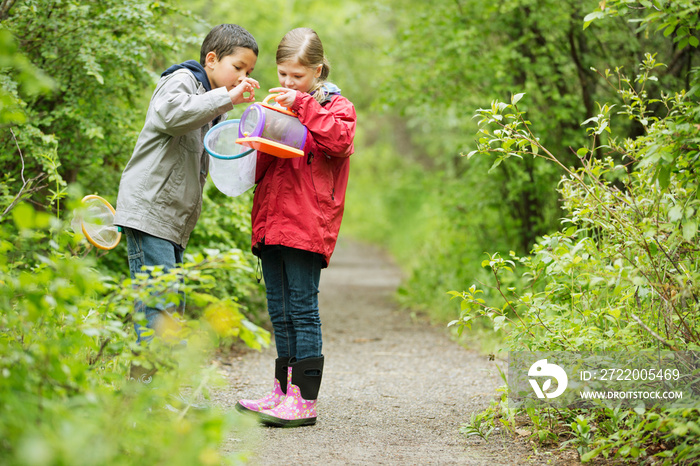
282 151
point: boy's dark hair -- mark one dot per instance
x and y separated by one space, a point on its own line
224 39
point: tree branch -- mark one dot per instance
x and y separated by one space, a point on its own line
25 183
5 7
645 327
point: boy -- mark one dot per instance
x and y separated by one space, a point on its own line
160 192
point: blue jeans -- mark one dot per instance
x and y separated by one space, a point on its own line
291 278
147 250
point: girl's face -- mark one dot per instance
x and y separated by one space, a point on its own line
293 75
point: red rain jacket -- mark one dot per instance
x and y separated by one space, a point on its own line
299 201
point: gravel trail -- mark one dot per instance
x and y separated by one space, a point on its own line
394 391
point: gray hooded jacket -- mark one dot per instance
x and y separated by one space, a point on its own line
160 192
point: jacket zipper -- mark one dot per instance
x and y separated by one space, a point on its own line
328 157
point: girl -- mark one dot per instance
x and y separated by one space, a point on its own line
297 210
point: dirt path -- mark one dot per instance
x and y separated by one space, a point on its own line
393 391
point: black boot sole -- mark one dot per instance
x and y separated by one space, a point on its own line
242 409
272 421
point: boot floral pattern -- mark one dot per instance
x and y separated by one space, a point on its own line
294 411
269 402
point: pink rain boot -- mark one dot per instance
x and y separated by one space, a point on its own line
282 376
299 406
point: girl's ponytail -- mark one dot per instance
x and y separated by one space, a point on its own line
326 70
317 90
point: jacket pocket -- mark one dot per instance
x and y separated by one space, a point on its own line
192 143
322 181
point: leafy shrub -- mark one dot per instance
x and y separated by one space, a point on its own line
66 345
66 310
624 270
98 56
224 226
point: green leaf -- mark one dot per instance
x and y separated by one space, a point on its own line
664 176
516 98
675 213
23 215
603 127
495 165
681 430
591 454
589 18
498 322
690 228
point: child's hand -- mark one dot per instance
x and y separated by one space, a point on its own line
246 86
286 97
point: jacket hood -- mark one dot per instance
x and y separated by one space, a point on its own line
197 70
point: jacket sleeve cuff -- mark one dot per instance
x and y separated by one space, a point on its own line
297 105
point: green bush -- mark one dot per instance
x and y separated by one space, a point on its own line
225 226
66 309
624 271
66 344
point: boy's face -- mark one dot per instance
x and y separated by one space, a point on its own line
231 69
293 75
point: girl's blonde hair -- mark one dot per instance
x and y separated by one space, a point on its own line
304 46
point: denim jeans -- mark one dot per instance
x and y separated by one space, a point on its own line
291 278
147 250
